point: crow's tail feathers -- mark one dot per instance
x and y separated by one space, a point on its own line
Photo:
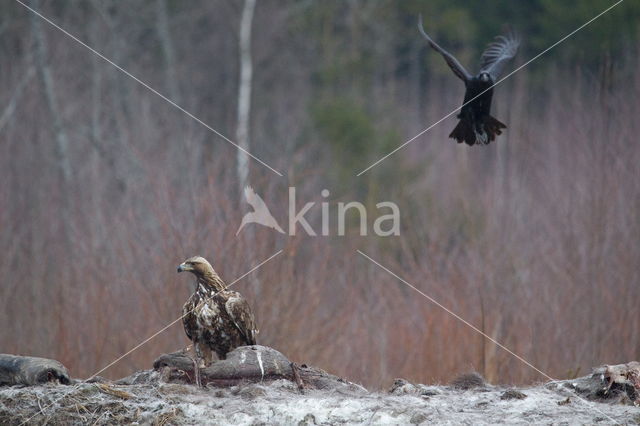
464 132
493 127
484 133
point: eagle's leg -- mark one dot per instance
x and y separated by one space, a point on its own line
196 372
207 355
197 361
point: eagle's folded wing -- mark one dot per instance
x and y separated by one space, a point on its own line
188 319
238 309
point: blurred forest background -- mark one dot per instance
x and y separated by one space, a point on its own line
105 187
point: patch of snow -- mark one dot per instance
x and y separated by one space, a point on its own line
259 356
279 402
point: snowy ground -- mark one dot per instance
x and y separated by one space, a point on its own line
280 402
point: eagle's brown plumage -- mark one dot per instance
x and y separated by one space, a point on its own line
215 319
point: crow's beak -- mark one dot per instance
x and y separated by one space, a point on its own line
182 267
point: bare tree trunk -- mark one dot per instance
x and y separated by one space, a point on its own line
63 163
164 33
244 111
17 94
113 144
62 141
96 134
244 91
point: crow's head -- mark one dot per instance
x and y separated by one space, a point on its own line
484 77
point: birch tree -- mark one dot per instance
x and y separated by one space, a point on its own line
168 51
44 72
244 92
63 164
244 110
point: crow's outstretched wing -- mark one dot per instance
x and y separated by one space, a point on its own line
497 54
451 61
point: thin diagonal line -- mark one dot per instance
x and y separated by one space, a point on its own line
432 300
178 319
449 311
157 333
491 87
151 89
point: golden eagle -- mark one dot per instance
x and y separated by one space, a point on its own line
476 125
214 318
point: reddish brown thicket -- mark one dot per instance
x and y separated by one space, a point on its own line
533 239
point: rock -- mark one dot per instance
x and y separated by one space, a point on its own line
142 377
608 383
250 392
179 360
97 379
468 381
403 387
248 364
243 363
418 417
308 420
513 394
29 371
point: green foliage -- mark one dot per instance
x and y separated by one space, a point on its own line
466 27
349 130
611 33
357 137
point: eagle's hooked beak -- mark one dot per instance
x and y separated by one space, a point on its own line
183 267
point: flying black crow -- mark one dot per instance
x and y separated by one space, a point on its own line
476 125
